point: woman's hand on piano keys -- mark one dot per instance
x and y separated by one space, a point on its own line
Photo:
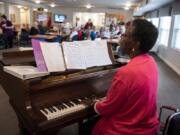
92 100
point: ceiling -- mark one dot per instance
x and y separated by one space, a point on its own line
93 3
139 6
151 5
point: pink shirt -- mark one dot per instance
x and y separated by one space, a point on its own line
130 104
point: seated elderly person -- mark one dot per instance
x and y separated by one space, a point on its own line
74 35
106 34
34 29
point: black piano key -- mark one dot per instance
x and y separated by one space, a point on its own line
84 98
44 110
59 107
50 109
70 104
73 104
76 101
54 110
67 103
63 106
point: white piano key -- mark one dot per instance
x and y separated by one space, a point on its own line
69 108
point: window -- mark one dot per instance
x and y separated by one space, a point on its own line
149 19
164 28
176 32
155 21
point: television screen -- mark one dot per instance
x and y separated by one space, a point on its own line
59 18
42 17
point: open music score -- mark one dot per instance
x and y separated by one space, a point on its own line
53 56
86 54
74 55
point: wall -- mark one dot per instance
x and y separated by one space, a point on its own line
15 11
170 55
9 8
1 8
69 12
24 16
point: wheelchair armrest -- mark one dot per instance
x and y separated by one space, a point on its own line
167 108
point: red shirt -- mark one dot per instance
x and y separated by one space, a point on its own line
49 24
88 25
130 104
80 35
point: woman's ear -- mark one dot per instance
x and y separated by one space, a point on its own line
137 46
135 49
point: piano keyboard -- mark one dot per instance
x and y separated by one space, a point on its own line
63 108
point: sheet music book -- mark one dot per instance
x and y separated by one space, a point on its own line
102 53
53 56
40 62
24 72
85 54
72 55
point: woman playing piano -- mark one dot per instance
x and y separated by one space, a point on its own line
130 104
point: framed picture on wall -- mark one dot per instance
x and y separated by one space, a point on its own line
12 18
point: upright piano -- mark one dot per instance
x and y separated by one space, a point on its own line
45 104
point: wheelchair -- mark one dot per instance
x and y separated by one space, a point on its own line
172 123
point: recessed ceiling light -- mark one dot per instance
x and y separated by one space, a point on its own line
52 5
19 6
45 10
38 2
128 4
88 6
